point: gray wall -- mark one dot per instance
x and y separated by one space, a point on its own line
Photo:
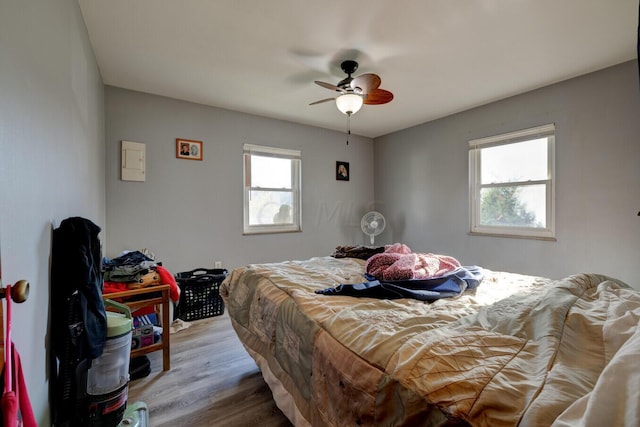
421 179
51 158
189 213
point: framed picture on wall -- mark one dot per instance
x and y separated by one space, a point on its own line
342 171
188 149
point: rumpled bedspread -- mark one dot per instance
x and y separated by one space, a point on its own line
518 350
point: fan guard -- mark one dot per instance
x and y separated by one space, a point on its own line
372 224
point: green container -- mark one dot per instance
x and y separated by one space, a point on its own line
118 323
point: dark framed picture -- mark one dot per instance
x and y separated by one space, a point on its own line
188 149
342 171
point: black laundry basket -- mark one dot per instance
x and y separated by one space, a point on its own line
200 293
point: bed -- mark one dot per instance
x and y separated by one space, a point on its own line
515 350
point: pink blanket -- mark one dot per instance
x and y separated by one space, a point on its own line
397 262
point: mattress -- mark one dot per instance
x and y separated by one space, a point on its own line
516 350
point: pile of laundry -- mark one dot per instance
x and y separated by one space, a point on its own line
398 262
135 270
400 273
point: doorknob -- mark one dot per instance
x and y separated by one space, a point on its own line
19 291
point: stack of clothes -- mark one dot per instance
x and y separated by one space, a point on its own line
135 270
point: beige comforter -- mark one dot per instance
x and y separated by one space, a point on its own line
520 350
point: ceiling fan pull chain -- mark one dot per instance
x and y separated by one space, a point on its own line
348 127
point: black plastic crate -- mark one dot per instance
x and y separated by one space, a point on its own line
200 293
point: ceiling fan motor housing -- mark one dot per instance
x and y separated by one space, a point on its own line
345 84
349 67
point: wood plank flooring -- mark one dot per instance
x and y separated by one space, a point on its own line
212 382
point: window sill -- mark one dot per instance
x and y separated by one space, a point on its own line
516 236
263 231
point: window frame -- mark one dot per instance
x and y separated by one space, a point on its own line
476 185
296 188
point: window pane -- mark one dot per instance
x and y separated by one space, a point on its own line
514 206
520 161
270 207
270 172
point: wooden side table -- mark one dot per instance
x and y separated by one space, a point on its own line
152 300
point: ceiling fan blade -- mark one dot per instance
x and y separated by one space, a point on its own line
378 96
322 100
367 82
329 86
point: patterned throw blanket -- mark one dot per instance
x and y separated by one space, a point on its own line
519 351
397 262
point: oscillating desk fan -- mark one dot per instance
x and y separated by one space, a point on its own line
372 224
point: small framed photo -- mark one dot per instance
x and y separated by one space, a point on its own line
188 149
342 171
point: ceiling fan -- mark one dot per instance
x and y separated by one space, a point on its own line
355 91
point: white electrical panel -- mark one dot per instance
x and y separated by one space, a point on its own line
133 161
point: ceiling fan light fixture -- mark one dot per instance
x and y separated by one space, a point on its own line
349 103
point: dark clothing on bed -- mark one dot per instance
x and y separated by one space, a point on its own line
361 252
450 285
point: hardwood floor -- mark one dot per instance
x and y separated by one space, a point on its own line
212 382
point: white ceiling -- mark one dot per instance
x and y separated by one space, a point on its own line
438 57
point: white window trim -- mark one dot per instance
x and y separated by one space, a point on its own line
248 150
475 186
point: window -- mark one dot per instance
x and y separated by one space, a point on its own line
511 180
271 190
